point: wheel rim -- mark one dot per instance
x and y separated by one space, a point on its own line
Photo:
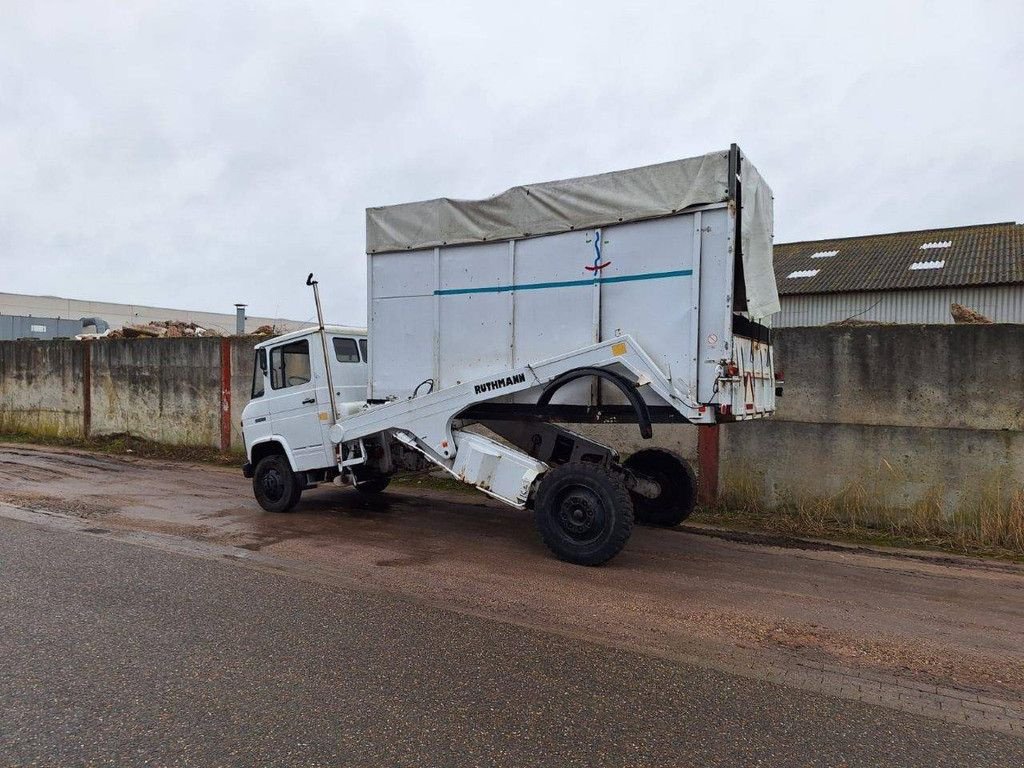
580 516
273 485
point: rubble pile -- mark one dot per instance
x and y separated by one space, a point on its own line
966 316
162 329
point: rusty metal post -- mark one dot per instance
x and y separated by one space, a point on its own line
225 394
707 464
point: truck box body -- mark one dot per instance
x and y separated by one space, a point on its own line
676 255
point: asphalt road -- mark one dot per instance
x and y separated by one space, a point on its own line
115 653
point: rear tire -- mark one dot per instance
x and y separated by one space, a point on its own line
275 486
373 485
584 513
678 484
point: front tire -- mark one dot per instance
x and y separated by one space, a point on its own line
677 481
584 513
275 486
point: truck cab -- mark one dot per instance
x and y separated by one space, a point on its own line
285 424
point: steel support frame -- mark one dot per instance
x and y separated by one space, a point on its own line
426 421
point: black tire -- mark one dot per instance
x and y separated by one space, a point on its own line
373 485
678 485
584 513
275 486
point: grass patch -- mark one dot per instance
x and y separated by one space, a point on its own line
990 526
130 445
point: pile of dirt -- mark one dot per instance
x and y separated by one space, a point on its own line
265 330
966 316
161 329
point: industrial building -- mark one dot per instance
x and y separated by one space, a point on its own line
903 277
49 317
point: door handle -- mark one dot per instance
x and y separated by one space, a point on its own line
309 401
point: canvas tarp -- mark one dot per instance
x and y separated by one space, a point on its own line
587 202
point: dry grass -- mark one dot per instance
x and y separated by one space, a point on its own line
129 445
989 518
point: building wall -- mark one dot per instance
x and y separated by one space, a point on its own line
119 315
1000 303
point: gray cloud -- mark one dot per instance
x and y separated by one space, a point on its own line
196 154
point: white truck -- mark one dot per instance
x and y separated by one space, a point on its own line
638 295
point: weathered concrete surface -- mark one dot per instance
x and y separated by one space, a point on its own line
41 387
953 376
866 467
160 389
887 416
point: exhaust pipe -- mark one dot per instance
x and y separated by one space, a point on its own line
240 319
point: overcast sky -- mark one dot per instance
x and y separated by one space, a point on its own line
195 154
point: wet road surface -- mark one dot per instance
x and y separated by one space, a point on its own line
934 636
121 654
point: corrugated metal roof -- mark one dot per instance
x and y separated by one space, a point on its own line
985 254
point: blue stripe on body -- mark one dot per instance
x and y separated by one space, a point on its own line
565 283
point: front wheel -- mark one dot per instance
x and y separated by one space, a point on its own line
275 486
584 513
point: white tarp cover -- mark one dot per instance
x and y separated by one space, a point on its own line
587 202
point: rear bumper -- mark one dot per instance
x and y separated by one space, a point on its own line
247 470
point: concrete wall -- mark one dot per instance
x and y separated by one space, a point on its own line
898 416
166 390
41 388
894 416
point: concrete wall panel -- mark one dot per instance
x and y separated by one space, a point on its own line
960 376
159 389
41 387
868 467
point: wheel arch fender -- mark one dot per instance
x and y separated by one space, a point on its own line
269 446
627 387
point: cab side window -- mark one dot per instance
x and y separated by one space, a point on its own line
289 365
364 348
346 350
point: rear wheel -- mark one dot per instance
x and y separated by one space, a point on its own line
374 484
677 483
584 513
275 486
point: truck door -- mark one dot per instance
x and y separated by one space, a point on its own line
295 412
349 373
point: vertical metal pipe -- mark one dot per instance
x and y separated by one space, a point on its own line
240 319
323 340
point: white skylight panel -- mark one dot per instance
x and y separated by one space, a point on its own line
936 244
804 273
928 265
824 254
